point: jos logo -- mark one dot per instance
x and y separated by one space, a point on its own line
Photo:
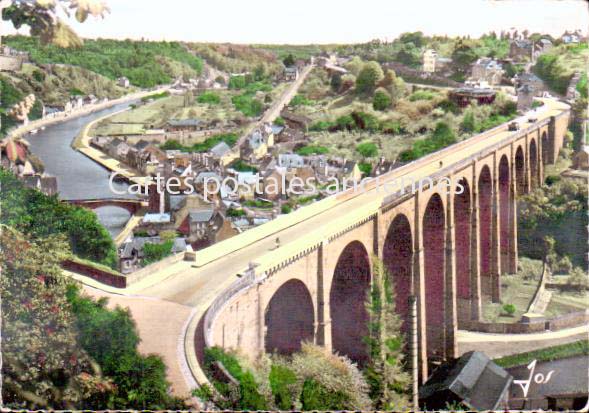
538 378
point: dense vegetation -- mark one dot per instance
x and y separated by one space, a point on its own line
558 211
11 94
145 63
62 350
39 216
206 145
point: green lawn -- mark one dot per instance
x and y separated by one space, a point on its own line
577 348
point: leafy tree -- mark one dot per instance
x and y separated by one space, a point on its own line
336 82
289 60
44 367
389 382
409 55
463 56
43 19
381 100
110 337
415 38
367 149
468 122
368 78
354 66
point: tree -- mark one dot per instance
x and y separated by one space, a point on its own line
367 149
354 65
289 60
368 78
389 382
416 38
336 82
463 56
381 100
44 366
468 122
42 17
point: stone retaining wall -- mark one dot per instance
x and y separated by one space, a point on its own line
536 325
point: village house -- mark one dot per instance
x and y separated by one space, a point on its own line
223 154
487 70
274 184
123 82
542 46
570 37
525 98
118 149
185 125
433 63
383 166
465 95
257 144
530 79
90 100
521 50
44 183
290 74
131 253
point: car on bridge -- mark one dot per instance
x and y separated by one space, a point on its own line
513 126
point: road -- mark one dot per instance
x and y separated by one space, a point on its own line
274 110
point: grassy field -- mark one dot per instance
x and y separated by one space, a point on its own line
562 351
519 289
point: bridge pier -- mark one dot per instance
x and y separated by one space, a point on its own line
418 290
450 310
512 213
495 267
323 320
475 264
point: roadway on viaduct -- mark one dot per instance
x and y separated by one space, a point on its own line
329 250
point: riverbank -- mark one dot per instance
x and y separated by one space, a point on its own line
86 110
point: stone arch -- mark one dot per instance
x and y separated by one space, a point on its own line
434 265
533 164
545 149
504 210
347 297
289 318
462 239
398 259
520 171
485 198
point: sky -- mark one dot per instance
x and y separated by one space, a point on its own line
327 21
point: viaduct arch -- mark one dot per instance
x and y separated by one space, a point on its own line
446 249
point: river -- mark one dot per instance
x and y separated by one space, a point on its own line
78 177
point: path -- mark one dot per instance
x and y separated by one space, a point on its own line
274 110
163 320
499 345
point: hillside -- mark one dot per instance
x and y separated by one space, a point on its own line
558 65
146 64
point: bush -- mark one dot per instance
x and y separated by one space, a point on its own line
285 209
422 95
312 150
300 100
282 380
365 168
367 149
156 252
235 213
381 100
209 97
279 121
509 309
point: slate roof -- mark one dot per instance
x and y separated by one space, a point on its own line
184 122
203 215
220 149
473 379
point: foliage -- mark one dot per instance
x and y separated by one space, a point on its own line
441 137
235 213
289 60
558 211
368 78
209 97
247 104
155 96
144 63
312 150
285 209
300 100
282 380
549 69
365 168
328 381
241 166
582 86
578 277
422 95
244 396
509 309
389 382
110 337
367 149
258 203
156 252
11 94
381 100
39 216
44 366
279 121
463 56
206 145
578 348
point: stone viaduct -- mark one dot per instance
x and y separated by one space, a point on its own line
446 248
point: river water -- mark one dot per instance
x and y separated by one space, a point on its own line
78 177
